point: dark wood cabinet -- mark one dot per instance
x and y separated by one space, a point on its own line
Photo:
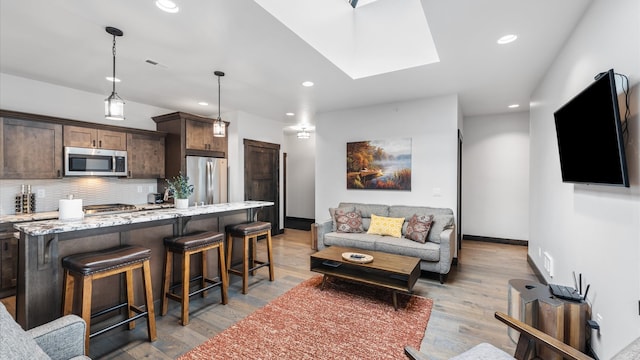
88 137
199 136
189 134
146 154
30 149
8 258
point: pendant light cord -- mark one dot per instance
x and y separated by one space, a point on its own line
218 97
114 64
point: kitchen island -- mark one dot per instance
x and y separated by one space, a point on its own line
43 244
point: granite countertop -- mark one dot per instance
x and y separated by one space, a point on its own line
49 215
146 213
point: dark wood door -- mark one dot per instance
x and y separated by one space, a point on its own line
262 180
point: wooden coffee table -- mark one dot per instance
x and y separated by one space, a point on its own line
395 272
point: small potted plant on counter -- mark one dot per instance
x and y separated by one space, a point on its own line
181 189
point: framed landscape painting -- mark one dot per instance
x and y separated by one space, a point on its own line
379 164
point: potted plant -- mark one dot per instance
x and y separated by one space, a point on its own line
181 189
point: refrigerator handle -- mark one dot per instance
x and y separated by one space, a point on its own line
209 182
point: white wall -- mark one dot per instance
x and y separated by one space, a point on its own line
301 173
251 127
495 172
594 230
37 97
432 125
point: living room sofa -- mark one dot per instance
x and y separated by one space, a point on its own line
436 253
59 339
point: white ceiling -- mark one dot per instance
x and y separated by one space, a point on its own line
64 43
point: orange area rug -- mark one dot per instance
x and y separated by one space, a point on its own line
343 321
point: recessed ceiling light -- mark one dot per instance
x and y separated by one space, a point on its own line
203 103
307 84
168 6
507 39
109 78
513 106
290 114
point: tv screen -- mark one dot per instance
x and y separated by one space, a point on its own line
590 138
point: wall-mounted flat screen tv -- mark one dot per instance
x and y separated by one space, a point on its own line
590 138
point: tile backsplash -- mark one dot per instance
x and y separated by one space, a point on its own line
102 190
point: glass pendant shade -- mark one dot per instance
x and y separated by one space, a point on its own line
114 107
219 128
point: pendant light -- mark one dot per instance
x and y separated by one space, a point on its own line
219 127
303 134
114 105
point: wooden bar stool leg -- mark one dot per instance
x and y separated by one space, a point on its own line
130 297
85 311
151 317
166 284
253 245
186 266
245 264
203 282
270 256
224 277
229 250
67 296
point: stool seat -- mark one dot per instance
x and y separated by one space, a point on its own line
103 260
249 228
193 241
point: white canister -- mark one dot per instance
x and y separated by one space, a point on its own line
70 209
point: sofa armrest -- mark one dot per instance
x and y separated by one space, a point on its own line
447 249
322 228
62 338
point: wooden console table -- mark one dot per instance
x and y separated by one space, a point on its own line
532 303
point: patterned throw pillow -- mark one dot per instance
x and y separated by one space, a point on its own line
418 228
348 221
381 225
332 212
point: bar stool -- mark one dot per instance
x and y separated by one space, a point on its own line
90 266
249 231
187 245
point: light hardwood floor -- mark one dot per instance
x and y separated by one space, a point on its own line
461 318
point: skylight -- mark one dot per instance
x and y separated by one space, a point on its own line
384 36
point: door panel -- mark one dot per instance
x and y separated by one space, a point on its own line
262 181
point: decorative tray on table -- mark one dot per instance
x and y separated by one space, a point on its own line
357 257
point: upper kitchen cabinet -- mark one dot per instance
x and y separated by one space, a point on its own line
30 149
199 136
145 153
94 138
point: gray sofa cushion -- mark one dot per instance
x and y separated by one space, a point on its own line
362 241
442 218
16 344
428 251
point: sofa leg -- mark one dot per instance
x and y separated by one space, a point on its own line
454 262
443 278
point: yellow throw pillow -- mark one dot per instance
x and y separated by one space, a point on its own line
381 225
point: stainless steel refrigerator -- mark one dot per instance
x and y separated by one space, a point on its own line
209 178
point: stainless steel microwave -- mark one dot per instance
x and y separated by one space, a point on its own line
94 162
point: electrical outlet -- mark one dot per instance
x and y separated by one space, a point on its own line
40 194
539 252
437 192
150 188
139 188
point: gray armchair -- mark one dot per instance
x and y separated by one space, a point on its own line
60 339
